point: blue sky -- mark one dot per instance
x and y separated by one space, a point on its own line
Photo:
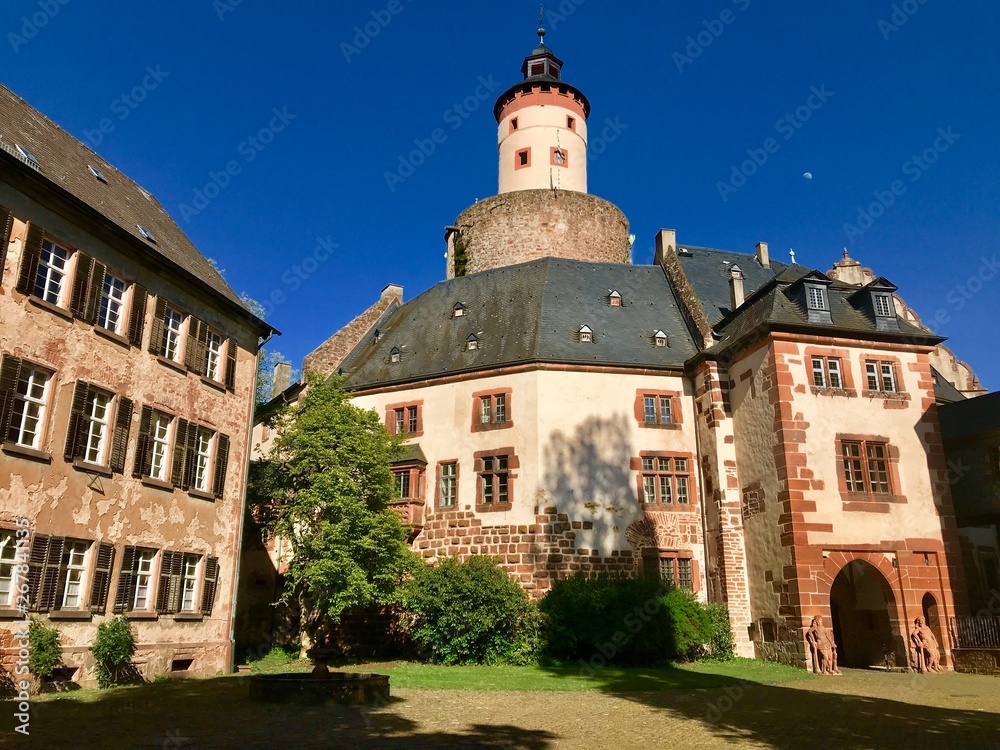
901 140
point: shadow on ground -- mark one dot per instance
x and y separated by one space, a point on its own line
197 714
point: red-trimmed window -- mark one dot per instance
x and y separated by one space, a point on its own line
665 480
866 467
522 158
491 410
673 568
559 157
405 419
827 372
657 408
881 376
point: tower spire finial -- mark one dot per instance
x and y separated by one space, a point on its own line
541 24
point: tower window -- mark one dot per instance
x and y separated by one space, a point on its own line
571 123
537 68
559 157
513 125
522 159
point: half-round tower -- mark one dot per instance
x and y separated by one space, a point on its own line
543 209
542 128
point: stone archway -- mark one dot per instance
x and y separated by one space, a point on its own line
863 610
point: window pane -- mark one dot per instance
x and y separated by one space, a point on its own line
28 414
502 496
189 583
888 377
213 357
400 423
882 306
680 465
871 372
202 450
487 489
817 298
684 573
485 409
51 272
112 300
74 556
682 490
819 374
172 334
160 434
663 464
143 575
411 417
666 415
666 496
834 367
96 427
647 464
667 570
403 484
500 411
7 556
649 406
649 488
448 475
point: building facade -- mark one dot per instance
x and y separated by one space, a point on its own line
761 433
126 394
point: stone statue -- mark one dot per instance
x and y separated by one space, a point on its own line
824 648
926 646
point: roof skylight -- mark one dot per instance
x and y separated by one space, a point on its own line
97 173
146 233
27 156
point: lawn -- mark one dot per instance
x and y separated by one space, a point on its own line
706 674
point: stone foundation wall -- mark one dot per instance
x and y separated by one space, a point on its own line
533 554
977 660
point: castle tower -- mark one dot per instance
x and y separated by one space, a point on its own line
542 128
543 209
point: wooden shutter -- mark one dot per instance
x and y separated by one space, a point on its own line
178 475
221 461
189 455
169 591
36 566
156 335
6 225
94 291
10 374
119 439
77 420
137 315
126 581
82 281
231 364
102 578
143 457
30 255
196 355
211 582
50 589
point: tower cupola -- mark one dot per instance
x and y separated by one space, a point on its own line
542 128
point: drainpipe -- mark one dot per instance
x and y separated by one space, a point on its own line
243 502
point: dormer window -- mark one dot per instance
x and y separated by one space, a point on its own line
458 310
395 355
816 297
615 299
376 336
472 343
660 338
586 335
883 305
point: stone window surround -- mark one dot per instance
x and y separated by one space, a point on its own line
691 506
650 554
846 370
864 501
552 157
477 425
517 158
390 418
42 452
513 463
675 409
437 485
897 376
416 472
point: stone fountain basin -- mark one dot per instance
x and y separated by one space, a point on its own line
344 688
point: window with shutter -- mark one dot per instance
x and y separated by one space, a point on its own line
10 374
30 254
221 461
74 444
49 585
119 441
211 581
169 590
95 294
137 315
142 452
102 577
195 354
126 580
6 225
81 285
180 475
156 332
231 365
36 567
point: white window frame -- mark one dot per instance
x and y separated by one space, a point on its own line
816 297
53 269
111 313
98 418
160 432
449 484
883 374
883 305
8 559
203 444
74 563
172 334
142 598
213 356
189 583
827 373
30 406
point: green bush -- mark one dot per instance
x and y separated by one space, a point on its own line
113 650
471 613
721 644
690 624
607 620
45 651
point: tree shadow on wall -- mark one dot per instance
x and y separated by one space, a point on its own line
588 477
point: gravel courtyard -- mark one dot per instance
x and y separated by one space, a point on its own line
858 710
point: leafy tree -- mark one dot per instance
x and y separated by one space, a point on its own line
326 487
113 650
45 654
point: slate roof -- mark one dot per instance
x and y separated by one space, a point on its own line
708 269
944 391
64 160
531 312
776 305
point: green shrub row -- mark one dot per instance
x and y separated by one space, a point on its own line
472 613
113 650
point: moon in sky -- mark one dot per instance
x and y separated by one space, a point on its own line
808 175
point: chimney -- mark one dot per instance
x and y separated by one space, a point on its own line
735 287
282 378
393 291
762 256
665 240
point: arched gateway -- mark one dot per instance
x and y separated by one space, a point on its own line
864 614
